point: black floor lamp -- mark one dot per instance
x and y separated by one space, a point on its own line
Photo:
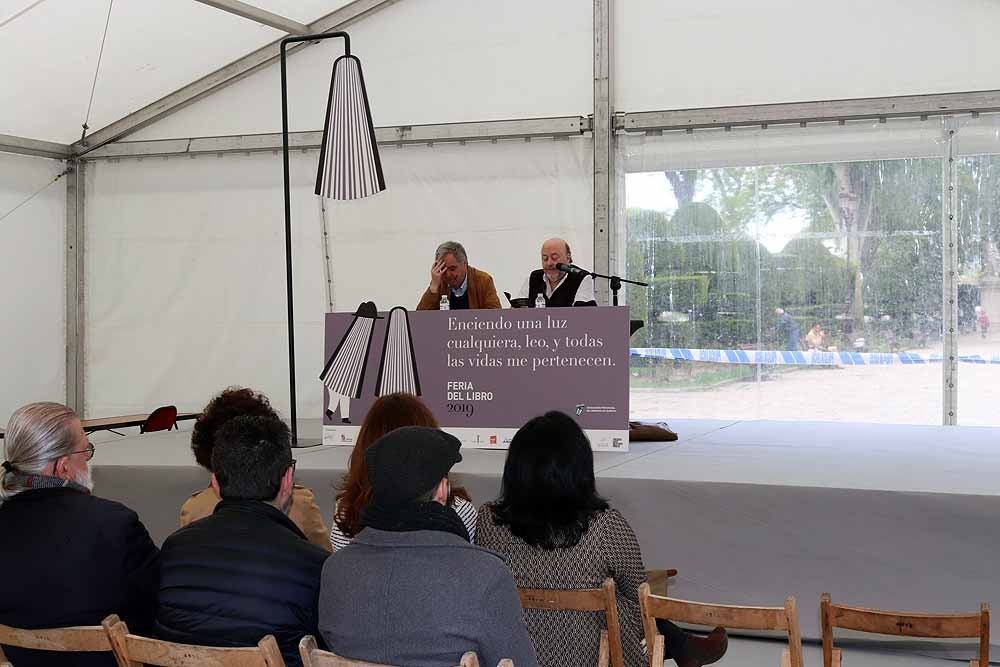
349 164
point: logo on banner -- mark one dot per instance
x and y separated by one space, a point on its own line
346 438
493 440
580 409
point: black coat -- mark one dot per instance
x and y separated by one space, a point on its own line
69 558
233 577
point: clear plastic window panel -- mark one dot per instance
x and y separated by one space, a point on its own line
978 181
805 286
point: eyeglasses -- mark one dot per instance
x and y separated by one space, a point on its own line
89 450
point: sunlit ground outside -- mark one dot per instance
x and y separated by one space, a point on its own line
894 394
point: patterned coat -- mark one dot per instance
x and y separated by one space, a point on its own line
608 549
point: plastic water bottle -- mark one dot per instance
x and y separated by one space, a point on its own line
444 305
539 301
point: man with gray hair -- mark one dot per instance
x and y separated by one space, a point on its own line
462 285
69 557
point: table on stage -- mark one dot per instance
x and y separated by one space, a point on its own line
123 421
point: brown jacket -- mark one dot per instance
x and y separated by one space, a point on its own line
304 513
482 293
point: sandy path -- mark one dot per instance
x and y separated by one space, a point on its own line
881 394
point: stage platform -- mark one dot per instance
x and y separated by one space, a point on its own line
747 511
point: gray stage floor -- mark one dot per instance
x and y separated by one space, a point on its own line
751 652
749 512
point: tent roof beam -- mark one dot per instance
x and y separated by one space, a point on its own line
223 77
24 146
261 16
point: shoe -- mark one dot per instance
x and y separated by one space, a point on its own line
704 650
329 413
345 420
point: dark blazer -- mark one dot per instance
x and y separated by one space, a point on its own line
233 577
70 558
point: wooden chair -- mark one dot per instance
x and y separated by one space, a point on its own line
79 638
586 599
903 624
659 580
728 616
135 651
314 657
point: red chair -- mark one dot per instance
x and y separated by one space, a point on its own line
161 419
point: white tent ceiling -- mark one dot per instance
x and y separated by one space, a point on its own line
48 56
448 61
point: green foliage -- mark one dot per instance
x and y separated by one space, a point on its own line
868 261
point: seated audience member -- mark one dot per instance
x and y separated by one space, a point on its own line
814 337
68 557
465 286
556 532
410 589
558 289
386 414
243 402
247 570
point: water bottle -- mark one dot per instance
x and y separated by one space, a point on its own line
539 301
444 305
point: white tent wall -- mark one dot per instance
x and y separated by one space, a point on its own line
203 235
692 55
424 61
32 283
434 61
185 269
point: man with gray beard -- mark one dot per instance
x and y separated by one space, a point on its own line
68 557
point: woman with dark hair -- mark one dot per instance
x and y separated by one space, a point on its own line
242 402
556 532
386 414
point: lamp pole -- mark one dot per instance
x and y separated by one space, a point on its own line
288 209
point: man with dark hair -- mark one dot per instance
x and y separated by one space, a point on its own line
556 287
410 589
247 570
244 402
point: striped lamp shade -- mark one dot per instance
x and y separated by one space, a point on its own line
349 164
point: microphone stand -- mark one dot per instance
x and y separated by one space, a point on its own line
616 284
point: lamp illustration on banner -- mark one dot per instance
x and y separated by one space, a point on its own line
349 164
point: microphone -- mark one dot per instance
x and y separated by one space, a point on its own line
572 268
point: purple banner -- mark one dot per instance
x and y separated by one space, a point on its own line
483 373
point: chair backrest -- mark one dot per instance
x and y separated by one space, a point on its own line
784 619
135 651
312 656
586 599
163 418
903 624
78 638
